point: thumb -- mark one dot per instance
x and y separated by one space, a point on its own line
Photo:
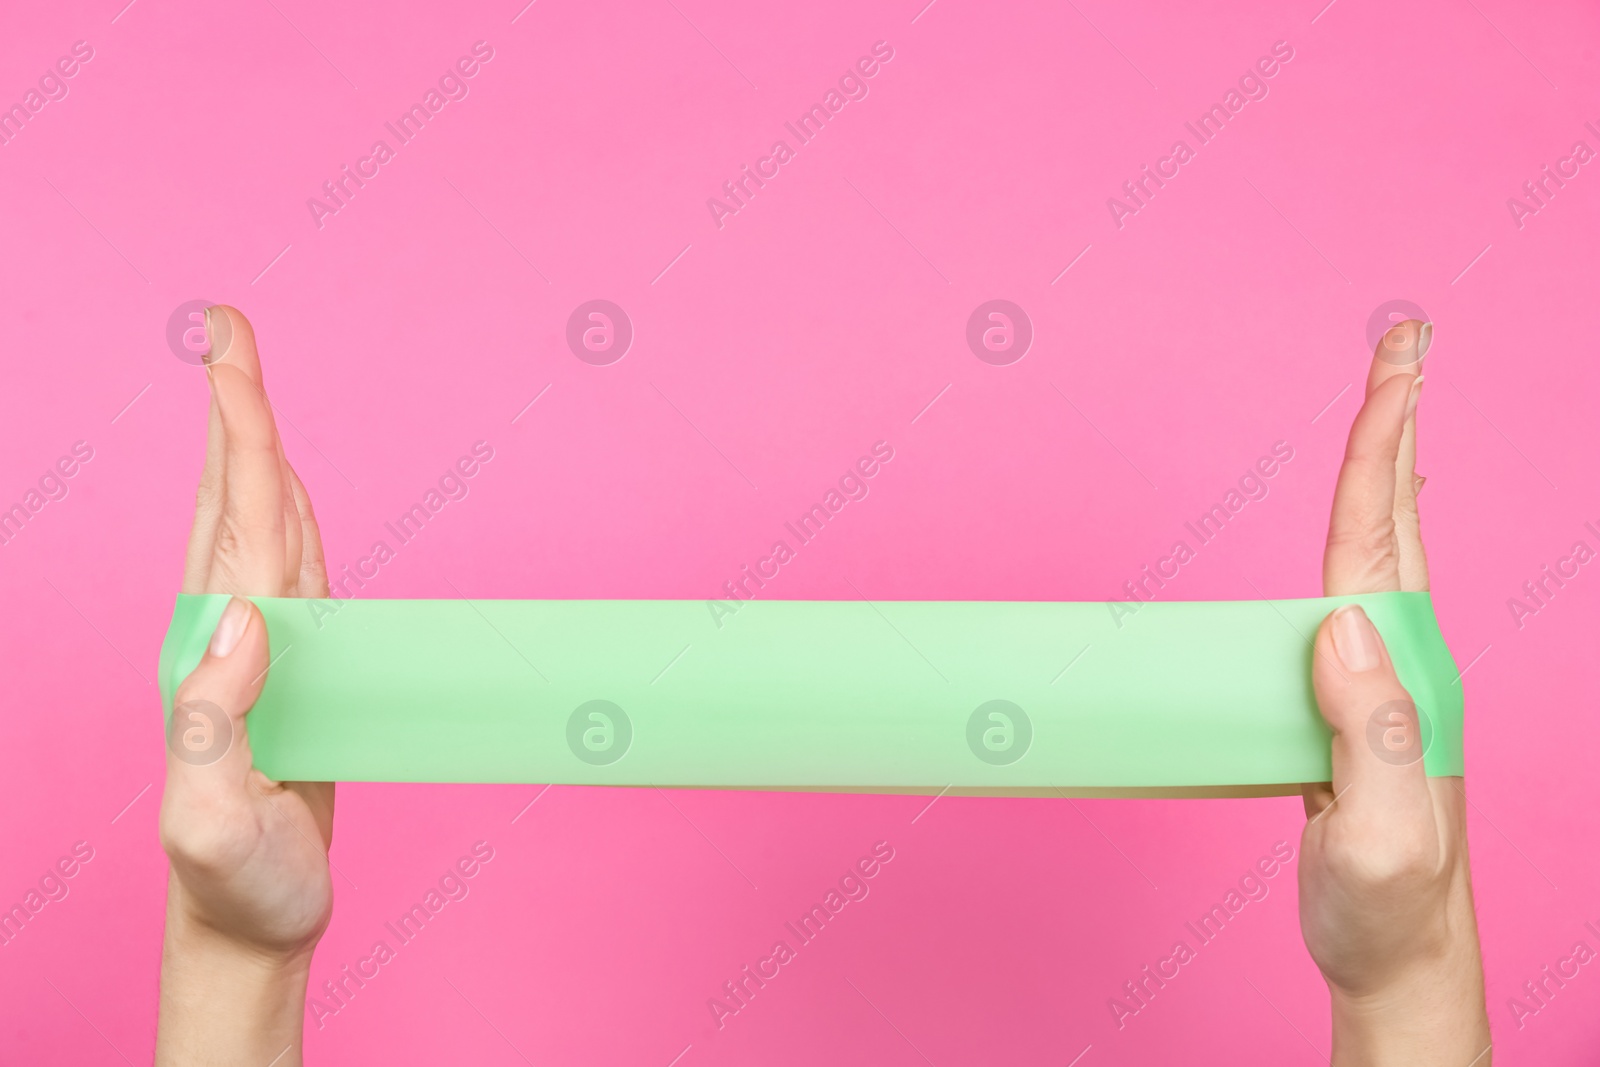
207 727
1377 737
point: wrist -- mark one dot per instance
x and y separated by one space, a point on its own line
191 939
1432 1014
201 935
225 1001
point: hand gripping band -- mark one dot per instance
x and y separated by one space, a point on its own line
1014 698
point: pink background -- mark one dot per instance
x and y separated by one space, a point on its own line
1224 316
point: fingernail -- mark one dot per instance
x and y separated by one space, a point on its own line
1417 484
1355 640
1424 339
211 343
235 617
219 334
1411 401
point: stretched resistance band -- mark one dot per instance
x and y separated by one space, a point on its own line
1023 698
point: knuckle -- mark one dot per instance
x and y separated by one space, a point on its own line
201 835
190 689
207 498
227 541
1372 540
1389 865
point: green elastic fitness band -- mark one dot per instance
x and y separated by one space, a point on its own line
1011 698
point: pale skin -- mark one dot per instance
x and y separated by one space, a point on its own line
1385 889
1385 895
249 893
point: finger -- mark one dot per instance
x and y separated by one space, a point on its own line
233 342
1379 783
209 496
1413 559
1362 555
251 538
1401 352
208 750
207 507
293 529
235 345
313 581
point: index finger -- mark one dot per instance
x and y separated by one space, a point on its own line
253 485
1362 554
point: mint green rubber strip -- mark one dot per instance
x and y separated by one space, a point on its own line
1184 698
